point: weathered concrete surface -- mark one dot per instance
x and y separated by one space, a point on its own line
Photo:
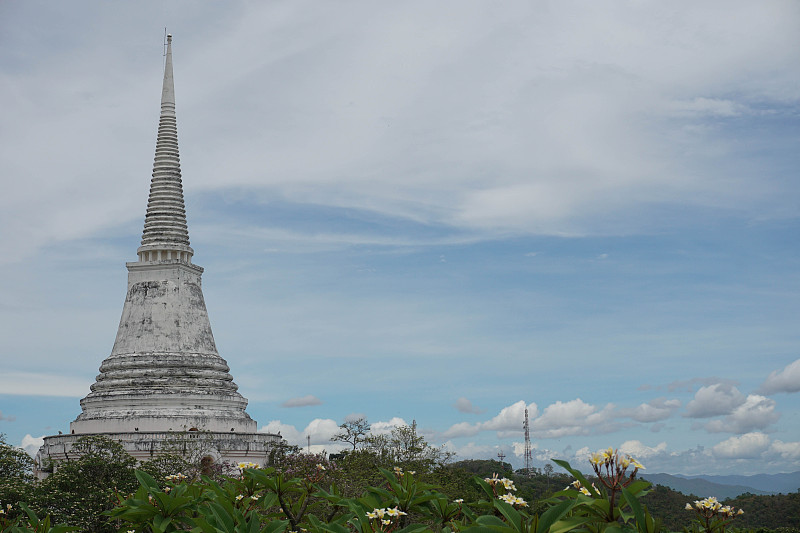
144 446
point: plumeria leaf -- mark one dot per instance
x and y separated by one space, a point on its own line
147 481
553 514
512 515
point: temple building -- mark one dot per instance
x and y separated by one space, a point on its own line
164 380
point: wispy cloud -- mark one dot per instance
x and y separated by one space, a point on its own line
302 401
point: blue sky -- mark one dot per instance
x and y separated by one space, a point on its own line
442 212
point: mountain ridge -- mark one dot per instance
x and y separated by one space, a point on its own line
728 486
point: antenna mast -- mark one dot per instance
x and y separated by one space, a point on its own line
528 456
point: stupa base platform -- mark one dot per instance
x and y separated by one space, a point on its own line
144 446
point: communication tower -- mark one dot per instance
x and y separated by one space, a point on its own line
528 456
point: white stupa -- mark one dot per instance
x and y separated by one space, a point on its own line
164 379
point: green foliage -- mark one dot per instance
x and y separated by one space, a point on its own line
87 484
776 511
16 475
27 521
15 463
353 432
98 490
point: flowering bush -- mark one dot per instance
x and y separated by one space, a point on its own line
712 515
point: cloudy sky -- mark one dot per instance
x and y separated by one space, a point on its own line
435 211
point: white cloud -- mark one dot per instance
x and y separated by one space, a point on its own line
715 400
302 401
320 430
757 412
383 428
641 451
745 446
32 444
507 422
559 419
287 431
465 406
787 380
653 411
462 429
511 418
788 451
574 417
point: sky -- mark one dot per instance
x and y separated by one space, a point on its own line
442 212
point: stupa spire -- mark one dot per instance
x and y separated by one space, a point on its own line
164 370
165 235
164 375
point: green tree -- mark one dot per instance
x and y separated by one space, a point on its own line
15 463
16 477
87 484
353 431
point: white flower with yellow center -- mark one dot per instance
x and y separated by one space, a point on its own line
239 497
508 498
598 458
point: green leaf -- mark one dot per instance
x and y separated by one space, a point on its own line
414 528
571 523
637 509
222 516
639 486
512 515
553 514
575 473
147 481
491 521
